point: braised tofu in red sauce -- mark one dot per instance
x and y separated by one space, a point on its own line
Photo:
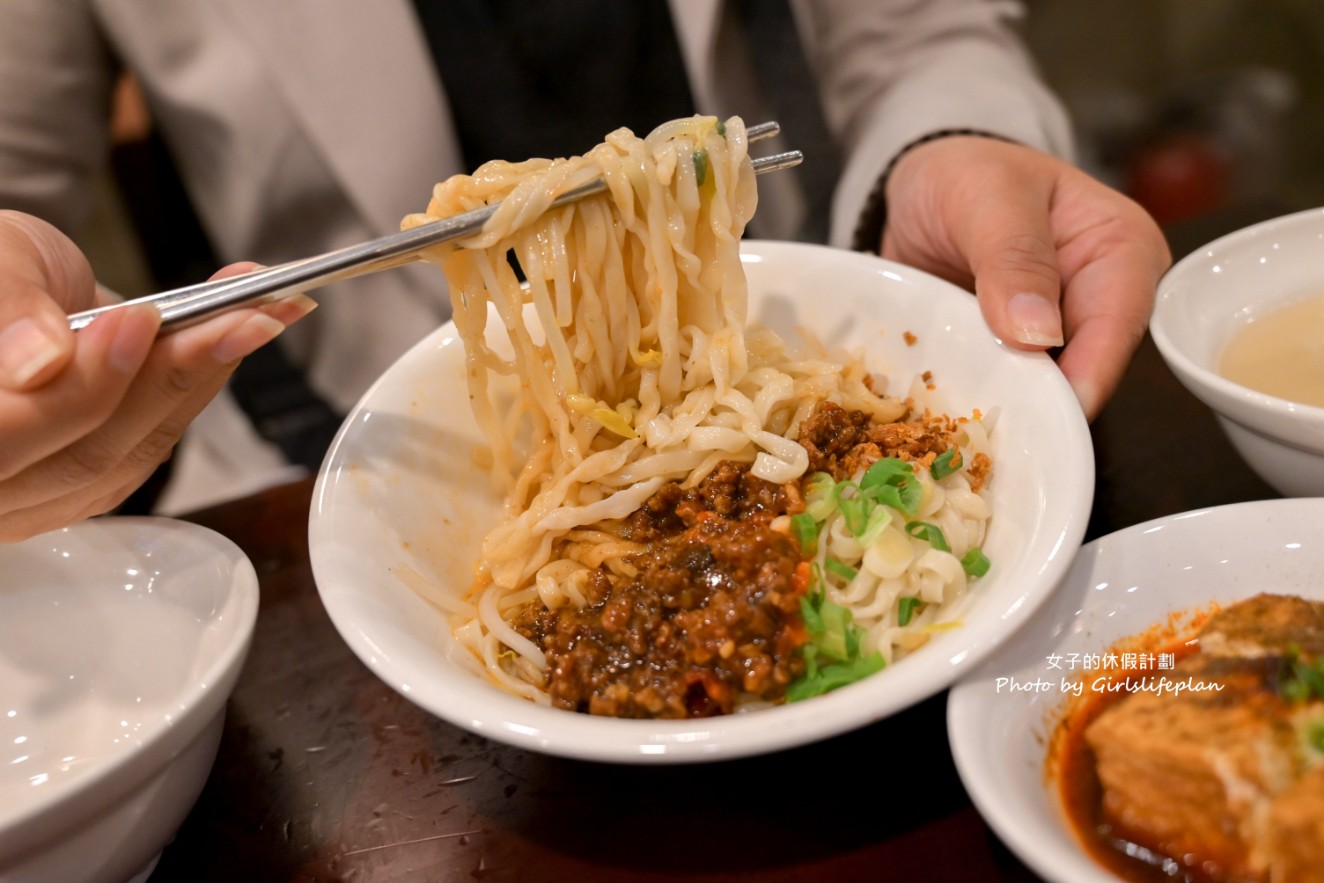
1224 783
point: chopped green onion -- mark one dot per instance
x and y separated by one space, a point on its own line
805 530
879 518
854 510
946 463
1315 734
841 569
1299 680
889 482
835 639
885 470
1314 676
820 496
837 674
892 481
809 611
975 562
908 497
831 627
700 166
930 533
906 608
810 653
721 127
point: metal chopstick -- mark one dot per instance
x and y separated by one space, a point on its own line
183 306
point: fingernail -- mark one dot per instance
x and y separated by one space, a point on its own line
1034 320
133 338
256 331
26 349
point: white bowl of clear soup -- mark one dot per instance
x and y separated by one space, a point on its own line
1240 322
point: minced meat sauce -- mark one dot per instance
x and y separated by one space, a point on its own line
843 443
712 615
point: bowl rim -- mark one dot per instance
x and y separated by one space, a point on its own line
197 707
1206 384
705 740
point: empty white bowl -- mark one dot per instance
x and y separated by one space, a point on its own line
400 510
120 641
1212 293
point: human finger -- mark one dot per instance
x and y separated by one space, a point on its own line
108 353
1007 239
1113 255
976 211
43 276
184 372
71 508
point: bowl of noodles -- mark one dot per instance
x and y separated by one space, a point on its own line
659 494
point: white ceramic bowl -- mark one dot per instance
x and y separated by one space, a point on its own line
1214 291
398 505
120 641
1120 586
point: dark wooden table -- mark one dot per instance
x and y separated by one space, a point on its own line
325 773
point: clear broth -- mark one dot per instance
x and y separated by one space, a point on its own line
1281 353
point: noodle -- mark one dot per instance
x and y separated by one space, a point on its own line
622 363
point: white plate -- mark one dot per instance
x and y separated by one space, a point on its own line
398 504
120 641
1119 586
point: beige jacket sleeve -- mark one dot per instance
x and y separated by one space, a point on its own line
56 81
891 71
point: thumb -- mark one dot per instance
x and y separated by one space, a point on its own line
1017 278
42 275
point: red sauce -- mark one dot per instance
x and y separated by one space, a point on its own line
1072 764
